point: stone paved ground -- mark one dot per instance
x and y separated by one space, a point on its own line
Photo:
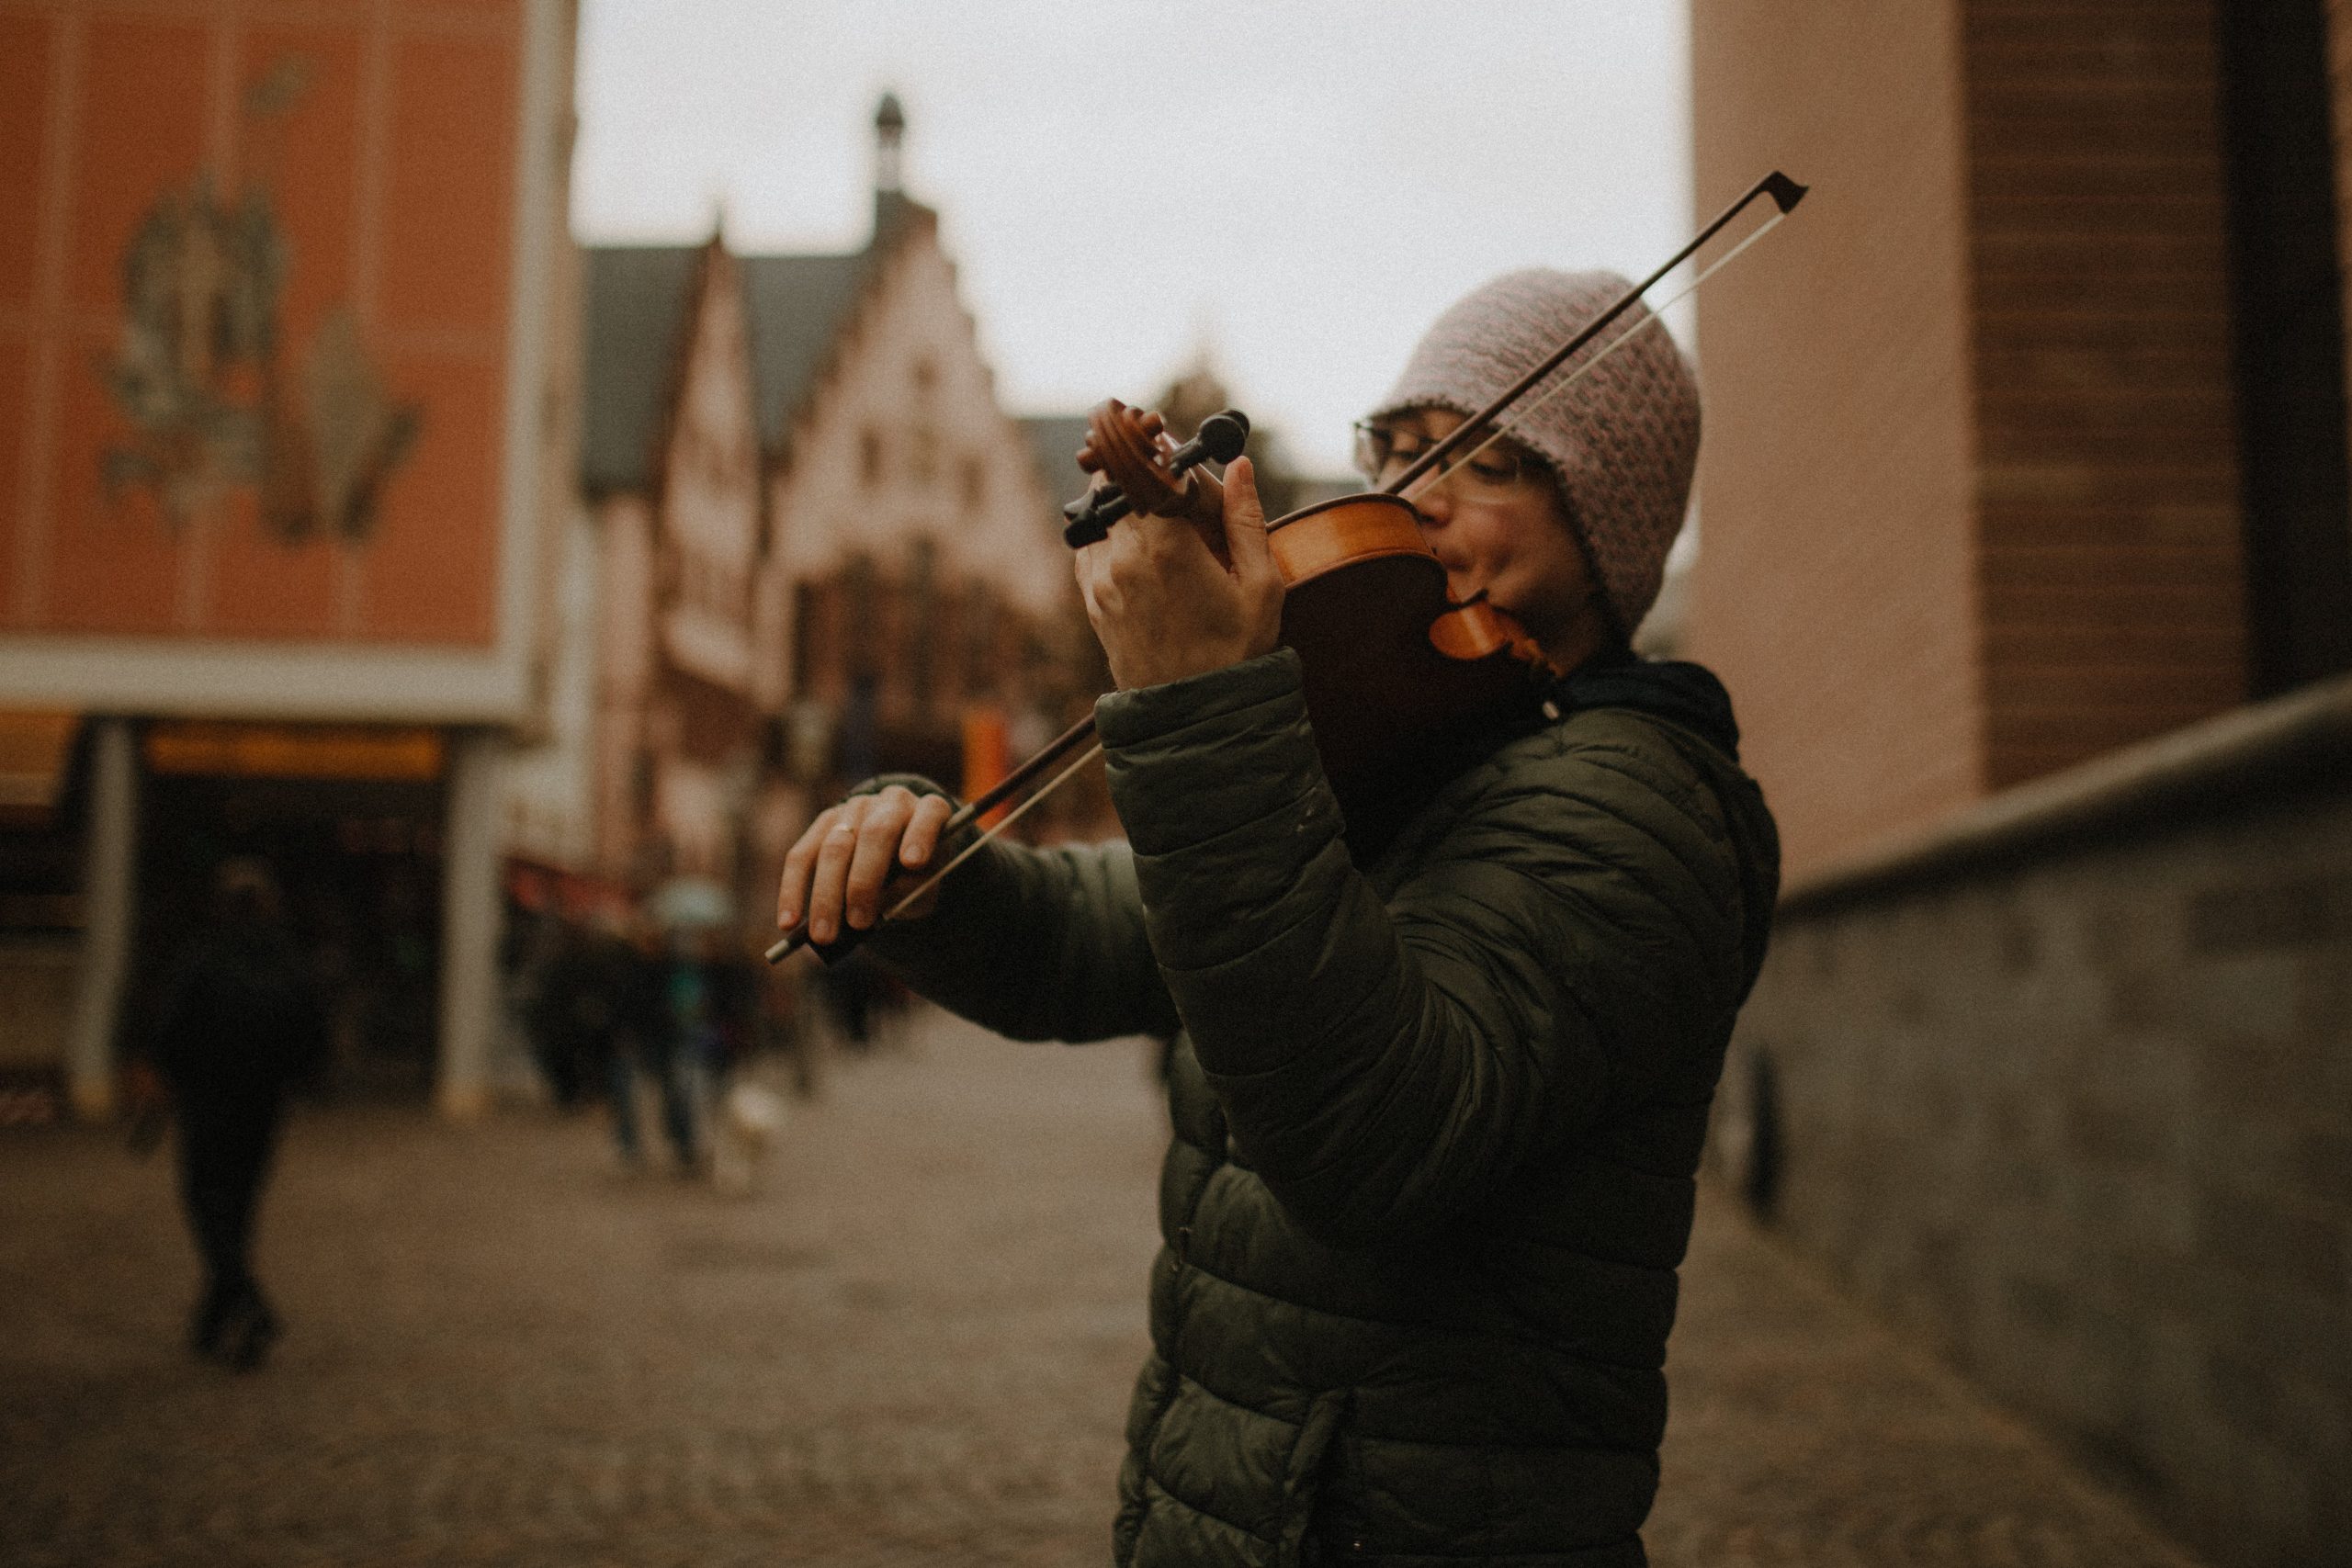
910 1346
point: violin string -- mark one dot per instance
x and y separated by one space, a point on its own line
1654 318
1007 820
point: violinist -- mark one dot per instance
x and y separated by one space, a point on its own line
1438 1097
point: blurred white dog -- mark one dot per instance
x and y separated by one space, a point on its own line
749 1120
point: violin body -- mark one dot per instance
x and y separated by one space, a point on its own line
1399 677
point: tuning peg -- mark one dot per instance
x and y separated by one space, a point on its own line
1220 439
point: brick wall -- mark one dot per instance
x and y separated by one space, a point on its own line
2108 565
1968 488
2065 1089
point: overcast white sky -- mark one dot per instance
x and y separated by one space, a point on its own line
1302 185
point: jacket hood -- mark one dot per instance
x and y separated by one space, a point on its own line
1675 690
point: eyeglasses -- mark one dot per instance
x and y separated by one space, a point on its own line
1383 450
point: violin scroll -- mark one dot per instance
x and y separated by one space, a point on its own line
1128 447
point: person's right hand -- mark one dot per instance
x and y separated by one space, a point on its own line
837 875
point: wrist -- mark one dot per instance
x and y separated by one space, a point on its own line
1198 758
1138 714
1165 667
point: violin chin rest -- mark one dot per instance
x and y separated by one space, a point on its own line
1474 631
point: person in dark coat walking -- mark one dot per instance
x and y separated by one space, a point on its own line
240 1023
652 1039
1439 1093
572 1005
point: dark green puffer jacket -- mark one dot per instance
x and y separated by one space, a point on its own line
1436 1121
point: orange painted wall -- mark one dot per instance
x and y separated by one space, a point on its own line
25 60
390 178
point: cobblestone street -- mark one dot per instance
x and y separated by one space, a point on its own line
913 1344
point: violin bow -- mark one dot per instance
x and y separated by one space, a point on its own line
1785 194
972 811
1424 472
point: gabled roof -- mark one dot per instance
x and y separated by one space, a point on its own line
797 305
636 302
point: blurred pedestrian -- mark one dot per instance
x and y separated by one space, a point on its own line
569 1007
862 999
240 1023
644 1045
712 1002
697 1046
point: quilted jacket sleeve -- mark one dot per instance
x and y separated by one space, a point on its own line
1038 944
1569 943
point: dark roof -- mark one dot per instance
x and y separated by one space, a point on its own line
797 305
1053 441
637 301
636 307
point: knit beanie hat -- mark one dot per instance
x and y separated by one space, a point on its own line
1622 441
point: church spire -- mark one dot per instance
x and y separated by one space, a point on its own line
889 130
889 200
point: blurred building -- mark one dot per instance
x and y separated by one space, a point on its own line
2027 557
809 547
284 355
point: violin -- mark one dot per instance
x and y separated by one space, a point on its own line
1395 667
1400 675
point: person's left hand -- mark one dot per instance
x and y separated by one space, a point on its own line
1167 604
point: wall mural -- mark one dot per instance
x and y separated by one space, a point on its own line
203 375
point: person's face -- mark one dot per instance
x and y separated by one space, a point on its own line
1497 525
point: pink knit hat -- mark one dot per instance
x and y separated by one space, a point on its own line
1623 441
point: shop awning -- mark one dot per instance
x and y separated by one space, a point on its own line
295 751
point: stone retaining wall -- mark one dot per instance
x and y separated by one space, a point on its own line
2065 1087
